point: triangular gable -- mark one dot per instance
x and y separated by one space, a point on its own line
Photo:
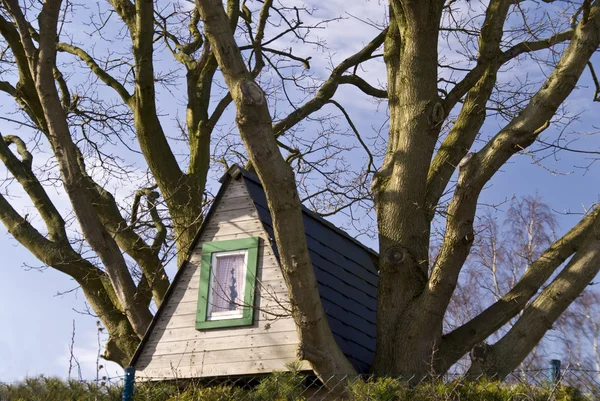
344 269
173 348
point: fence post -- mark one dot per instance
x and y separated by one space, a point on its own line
555 371
128 384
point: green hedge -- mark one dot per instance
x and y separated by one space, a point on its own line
53 389
284 387
393 389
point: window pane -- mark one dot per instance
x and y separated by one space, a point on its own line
227 292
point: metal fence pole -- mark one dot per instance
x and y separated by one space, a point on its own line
555 371
128 384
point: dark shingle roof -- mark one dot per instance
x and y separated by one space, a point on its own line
346 275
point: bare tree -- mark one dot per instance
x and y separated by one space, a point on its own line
426 167
89 107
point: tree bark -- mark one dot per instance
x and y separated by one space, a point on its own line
412 304
477 169
95 284
404 344
473 112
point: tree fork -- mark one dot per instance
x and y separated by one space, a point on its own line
399 187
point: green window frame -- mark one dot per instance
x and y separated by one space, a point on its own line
209 249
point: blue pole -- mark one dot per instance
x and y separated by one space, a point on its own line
555 371
128 384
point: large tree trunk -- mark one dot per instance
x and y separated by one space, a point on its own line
405 339
413 301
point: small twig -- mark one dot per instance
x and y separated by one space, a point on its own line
596 83
72 358
355 130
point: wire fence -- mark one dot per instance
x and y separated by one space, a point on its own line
533 385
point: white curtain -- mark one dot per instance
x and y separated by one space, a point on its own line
227 292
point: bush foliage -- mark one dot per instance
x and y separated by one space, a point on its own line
460 390
53 389
284 387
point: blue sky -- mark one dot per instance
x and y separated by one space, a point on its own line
37 323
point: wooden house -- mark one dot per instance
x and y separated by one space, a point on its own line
225 313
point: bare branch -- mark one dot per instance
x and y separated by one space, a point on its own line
97 70
502 357
472 115
363 86
69 165
528 47
461 340
477 169
596 82
65 94
371 165
21 170
329 87
462 87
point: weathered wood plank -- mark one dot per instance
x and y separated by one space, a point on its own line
225 369
239 202
245 227
235 190
272 289
261 326
269 267
196 357
276 283
271 276
268 288
224 236
277 295
272 302
188 303
265 339
234 216
189 319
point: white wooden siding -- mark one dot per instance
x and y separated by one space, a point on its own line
175 349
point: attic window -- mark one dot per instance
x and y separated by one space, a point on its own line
227 283
227 279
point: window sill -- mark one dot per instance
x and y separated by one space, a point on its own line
222 323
